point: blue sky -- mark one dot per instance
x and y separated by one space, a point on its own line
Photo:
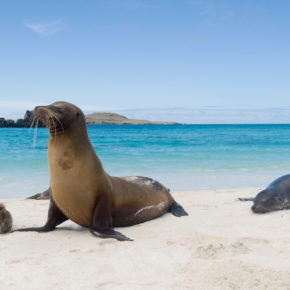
154 56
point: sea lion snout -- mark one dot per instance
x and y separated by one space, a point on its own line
40 113
255 209
258 209
36 110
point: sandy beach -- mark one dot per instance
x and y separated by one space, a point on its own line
220 245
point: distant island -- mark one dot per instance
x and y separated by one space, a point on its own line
94 118
113 118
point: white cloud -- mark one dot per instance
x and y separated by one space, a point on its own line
46 29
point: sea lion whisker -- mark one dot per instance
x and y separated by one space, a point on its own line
58 122
53 116
35 133
32 123
50 117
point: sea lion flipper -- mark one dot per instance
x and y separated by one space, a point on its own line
177 210
102 221
54 218
246 198
110 233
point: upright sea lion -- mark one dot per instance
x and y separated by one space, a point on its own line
5 219
276 196
83 192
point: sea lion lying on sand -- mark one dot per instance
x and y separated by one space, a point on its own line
40 196
5 219
82 191
276 196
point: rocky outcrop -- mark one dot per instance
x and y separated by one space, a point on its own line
95 118
20 123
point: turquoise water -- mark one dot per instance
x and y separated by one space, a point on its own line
183 157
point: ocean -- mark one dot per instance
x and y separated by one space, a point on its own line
182 157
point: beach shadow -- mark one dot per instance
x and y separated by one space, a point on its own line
72 229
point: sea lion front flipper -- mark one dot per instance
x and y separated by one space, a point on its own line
54 218
110 233
102 221
246 198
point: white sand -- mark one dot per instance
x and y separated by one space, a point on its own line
220 245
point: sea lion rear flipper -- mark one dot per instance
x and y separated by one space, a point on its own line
110 233
54 218
177 210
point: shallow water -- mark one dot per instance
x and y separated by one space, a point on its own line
183 157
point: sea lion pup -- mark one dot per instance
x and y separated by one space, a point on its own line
276 196
83 192
5 220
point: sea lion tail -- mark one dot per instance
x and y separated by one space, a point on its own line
177 210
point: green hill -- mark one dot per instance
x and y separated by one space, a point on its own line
113 118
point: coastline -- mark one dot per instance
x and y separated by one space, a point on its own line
180 157
220 245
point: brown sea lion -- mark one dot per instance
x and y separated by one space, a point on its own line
83 192
5 220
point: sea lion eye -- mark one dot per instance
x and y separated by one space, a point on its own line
58 110
77 114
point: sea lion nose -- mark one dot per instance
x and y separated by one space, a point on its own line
35 109
254 208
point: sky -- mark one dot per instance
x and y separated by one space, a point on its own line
194 61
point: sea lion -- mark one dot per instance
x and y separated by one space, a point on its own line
5 220
276 196
42 195
80 188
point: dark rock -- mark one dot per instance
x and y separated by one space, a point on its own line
10 123
20 123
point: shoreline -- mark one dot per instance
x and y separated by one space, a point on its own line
220 245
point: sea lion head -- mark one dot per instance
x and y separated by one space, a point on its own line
268 200
2 207
5 220
60 117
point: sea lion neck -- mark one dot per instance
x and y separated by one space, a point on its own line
72 148
77 133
